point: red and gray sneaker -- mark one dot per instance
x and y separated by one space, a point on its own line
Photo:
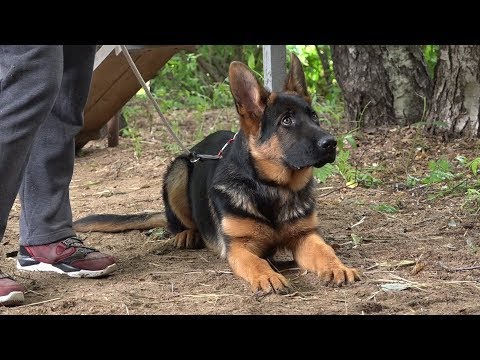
68 256
11 292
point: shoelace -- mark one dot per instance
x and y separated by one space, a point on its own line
77 243
4 276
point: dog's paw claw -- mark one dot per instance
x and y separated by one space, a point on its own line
270 283
339 275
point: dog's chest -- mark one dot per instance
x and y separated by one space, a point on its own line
281 205
274 205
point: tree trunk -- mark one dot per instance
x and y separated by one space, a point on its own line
409 82
455 105
382 84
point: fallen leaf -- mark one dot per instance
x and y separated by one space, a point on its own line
351 184
357 240
419 266
394 286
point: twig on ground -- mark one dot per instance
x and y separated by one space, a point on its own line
373 295
358 223
209 295
220 271
326 188
390 216
177 272
425 220
465 268
455 215
38 303
334 190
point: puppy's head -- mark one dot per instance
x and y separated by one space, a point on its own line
282 129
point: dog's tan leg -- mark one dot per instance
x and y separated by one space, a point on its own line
255 270
312 253
249 241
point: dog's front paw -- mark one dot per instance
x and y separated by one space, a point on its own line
188 239
338 274
271 282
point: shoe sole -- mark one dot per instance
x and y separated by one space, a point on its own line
76 274
13 299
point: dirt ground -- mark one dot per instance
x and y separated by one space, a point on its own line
414 261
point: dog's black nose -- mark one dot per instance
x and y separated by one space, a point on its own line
327 143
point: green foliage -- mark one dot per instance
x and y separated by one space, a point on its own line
472 185
345 169
430 53
386 208
472 200
323 173
473 165
352 175
200 80
412 181
329 108
157 233
177 86
172 147
131 131
440 170
443 180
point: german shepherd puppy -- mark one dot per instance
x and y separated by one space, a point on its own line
259 196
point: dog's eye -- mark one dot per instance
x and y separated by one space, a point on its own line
287 120
314 115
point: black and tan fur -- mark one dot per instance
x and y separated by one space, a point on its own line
259 196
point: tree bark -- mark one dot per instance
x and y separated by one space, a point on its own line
409 82
382 84
455 105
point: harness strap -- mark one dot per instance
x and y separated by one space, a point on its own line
194 157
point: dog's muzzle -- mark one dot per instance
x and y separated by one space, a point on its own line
327 146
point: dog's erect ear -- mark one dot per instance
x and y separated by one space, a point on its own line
296 78
249 95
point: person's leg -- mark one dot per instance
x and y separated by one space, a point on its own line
47 240
46 216
30 78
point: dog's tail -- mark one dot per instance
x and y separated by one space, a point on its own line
119 223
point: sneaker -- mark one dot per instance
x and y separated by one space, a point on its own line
11 292
68 256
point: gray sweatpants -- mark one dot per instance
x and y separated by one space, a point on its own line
43 92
